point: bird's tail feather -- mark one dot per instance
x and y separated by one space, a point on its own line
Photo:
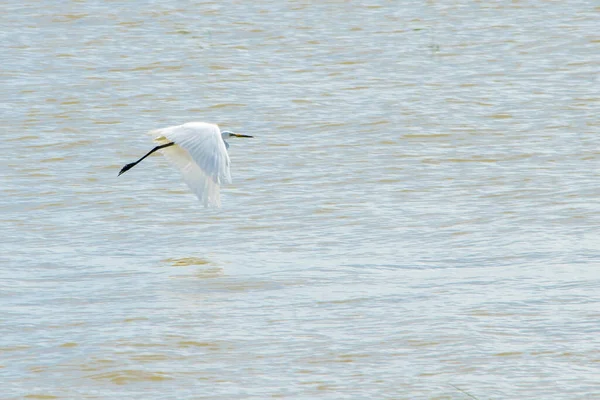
158 136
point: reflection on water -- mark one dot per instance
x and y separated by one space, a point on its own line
186 261
416 217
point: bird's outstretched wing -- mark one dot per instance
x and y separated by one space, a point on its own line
200 155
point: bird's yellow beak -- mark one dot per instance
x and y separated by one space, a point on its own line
240 135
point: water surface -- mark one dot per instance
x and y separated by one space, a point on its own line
416 218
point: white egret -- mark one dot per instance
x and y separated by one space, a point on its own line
199 151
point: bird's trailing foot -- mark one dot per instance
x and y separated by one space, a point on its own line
127 168
133 164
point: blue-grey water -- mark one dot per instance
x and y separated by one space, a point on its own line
417 216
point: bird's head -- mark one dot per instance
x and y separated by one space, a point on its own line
228 134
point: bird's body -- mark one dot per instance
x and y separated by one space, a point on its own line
199 151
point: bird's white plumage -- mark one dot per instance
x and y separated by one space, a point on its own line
200 155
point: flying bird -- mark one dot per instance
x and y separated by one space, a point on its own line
199 151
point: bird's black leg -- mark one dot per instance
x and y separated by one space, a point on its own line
133 164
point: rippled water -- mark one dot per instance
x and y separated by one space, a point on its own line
416 218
